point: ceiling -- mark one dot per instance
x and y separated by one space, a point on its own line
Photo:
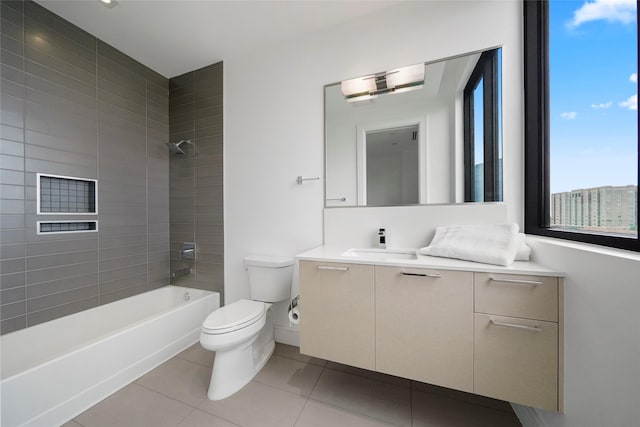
173 37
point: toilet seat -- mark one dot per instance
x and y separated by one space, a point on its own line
235 316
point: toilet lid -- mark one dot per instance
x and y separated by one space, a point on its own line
234 316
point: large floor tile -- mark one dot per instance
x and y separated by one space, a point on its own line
317 414
431 410
475 399
257 405
135 406
199 355
179 379
71 424
200 418
369 374
293 352
289 375
383 401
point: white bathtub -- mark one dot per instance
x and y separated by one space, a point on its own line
53 371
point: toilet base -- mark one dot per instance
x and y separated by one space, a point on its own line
235 368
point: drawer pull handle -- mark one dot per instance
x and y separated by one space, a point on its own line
434 275
517 281
513 325
331 267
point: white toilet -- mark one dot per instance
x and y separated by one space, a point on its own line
241 333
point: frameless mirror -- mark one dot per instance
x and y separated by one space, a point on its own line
417 145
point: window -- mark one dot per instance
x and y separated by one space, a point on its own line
482 130
581 121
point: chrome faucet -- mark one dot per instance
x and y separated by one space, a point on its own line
382 238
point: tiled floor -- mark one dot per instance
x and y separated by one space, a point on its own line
291 390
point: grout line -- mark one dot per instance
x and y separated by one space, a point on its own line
360 414
194 147
367 377
159 392
317 380
295 422
146 160
24 154
186 416
411 402
76 421
60 305
97 105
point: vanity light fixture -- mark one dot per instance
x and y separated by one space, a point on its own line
394 81
109 3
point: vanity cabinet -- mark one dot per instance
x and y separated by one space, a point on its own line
517 342
424 325
339 314
496 334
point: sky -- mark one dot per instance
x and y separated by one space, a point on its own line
593 93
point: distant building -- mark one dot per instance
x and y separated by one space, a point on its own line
607 209
479 181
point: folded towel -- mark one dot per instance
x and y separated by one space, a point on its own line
491 244
524 251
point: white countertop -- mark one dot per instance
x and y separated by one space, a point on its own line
334 254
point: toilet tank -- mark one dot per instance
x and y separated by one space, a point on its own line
269 277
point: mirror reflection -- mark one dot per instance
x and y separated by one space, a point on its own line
431 141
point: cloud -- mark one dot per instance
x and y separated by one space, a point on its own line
569 115
633 78
601 106
623 11
631 103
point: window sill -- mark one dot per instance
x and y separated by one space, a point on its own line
587 247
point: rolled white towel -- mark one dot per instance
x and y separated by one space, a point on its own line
491 244
524 251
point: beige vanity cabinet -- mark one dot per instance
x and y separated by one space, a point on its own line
424 325
494 334
517 351
338 305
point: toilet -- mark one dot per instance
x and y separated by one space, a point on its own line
242 333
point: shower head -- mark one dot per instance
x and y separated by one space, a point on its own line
174 147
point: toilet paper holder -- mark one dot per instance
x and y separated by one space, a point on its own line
294 311
294 303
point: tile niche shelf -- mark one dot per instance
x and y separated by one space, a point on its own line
65 195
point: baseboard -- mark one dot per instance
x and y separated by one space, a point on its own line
286 334
528 416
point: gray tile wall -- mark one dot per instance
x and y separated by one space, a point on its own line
196 192
72 105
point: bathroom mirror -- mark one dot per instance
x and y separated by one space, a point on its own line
409 148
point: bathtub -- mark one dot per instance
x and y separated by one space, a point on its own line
53 371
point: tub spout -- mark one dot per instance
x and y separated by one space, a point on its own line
181 272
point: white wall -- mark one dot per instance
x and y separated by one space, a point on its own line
406 226
274 132
602 334
274 114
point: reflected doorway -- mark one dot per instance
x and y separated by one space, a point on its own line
393 166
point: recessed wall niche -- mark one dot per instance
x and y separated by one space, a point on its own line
66 195
56 227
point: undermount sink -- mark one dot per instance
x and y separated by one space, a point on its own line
383 254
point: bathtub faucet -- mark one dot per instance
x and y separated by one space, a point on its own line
181 272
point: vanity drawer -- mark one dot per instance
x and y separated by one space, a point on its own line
530 297
516 360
